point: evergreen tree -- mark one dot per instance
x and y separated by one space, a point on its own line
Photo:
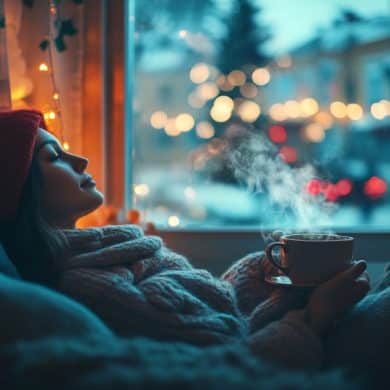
242 44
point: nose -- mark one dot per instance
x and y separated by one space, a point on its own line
79 163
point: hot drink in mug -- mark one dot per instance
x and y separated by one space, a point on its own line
310 259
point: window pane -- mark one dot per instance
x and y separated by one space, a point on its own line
262 113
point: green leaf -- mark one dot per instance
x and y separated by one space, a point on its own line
67 27
60 44
2 22
44 44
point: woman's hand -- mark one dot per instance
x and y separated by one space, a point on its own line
332 298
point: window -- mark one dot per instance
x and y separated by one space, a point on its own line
262 114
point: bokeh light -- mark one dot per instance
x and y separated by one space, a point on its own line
277 112
205 130
261 76
185 122
314 132
288 154
338 109
158 119
207 91
375 187
141 190
378 110
292 108
354 111
173 221
324 119
248 90
171 129
277 134
199 73
309 106
236 77
248 111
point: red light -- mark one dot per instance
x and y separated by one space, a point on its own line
344 187
330 192
277 134
375 187
313 187
288 154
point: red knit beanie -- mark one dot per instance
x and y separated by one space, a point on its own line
18 133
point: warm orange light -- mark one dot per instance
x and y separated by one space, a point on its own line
185 122
248 90
171 128
158 119
277 112
56 96
354 111
50 115
199 73
220 113
43 67
338 109
378 110
324 119
207 91
65 146
224 101
205 130
261 76
249 111
314 132
309 106
236 77
292 108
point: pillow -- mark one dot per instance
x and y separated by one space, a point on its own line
29 311
6 265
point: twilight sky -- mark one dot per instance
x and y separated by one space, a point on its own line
294 21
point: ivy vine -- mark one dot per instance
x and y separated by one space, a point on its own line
65 27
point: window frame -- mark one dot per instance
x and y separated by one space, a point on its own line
213 248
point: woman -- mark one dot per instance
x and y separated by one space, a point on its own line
132 281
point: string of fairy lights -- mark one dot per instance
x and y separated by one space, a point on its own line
53 112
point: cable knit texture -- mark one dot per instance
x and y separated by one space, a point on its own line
141 288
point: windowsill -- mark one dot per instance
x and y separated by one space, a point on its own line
216 249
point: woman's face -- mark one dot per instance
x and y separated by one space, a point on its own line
69 192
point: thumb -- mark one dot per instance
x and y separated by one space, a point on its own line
353 271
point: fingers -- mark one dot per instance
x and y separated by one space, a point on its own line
355 270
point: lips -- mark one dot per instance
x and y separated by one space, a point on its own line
88 182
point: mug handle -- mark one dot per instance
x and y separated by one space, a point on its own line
268 251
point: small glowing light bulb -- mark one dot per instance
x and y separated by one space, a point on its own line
43 67
56 96
65 145
51 115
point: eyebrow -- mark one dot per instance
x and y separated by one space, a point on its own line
44 143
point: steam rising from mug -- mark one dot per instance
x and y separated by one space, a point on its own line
256 163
